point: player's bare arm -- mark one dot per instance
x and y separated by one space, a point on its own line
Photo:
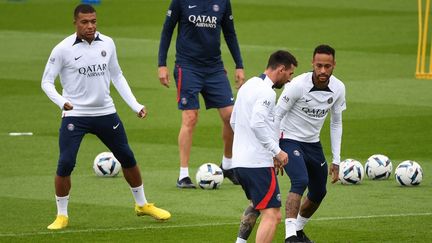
163 76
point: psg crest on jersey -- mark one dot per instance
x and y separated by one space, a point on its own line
103 53
330 100
216 8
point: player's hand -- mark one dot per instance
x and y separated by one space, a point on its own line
334 173
279 169
239 77
142 113
163 76
67 106
280 161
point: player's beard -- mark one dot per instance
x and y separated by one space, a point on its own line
318 81
278 85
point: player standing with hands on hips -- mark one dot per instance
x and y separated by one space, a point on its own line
199 69
256 151
87 62
301 111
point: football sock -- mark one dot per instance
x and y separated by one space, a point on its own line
226 163
62 204
184 172
240 240
138 193
301 222
290 227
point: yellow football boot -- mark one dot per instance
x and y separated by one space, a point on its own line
152 210
59 223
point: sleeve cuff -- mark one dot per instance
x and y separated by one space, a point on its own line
276 151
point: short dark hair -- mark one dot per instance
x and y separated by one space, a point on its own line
325 49
83 8
281 57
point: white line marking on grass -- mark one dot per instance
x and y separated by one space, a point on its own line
195 225
371 216
112 229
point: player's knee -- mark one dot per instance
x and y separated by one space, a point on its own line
317 196
189 119
65 167
299 185
126 158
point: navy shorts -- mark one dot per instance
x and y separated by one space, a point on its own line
213 84
260 186
307 167
109 129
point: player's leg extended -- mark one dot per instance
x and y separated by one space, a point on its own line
270 218
109 129
217 93
227 136
317 171
71 133
247 223
297 172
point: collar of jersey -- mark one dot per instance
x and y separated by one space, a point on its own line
79 40
266 79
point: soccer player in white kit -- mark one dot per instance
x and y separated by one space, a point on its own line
87 62
301 110
256 145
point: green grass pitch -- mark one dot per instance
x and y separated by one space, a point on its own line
389 112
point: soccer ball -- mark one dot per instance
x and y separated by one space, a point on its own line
209 176
378 167
106 165
408 173
351 172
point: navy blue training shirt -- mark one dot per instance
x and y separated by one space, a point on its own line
199 29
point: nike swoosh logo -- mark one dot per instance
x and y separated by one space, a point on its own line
192 6
323 163
306 100
76 58
115 127
232 98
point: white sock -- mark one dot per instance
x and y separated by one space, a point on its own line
240 240
301 222
290 227
62 204
184 172
226 163
138 193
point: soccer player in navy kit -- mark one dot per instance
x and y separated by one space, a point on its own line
86 62
256 150
199 69
301 110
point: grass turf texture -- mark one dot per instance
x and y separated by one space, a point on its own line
389 112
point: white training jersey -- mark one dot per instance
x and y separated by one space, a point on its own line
304 108
86 71
252 120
